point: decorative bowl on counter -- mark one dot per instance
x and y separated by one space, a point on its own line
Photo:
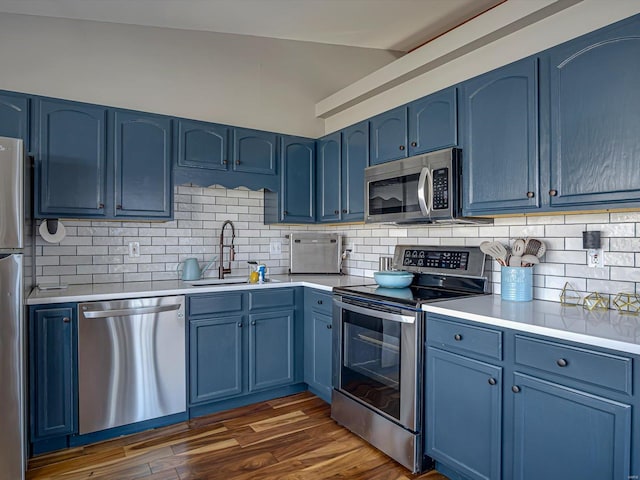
393 279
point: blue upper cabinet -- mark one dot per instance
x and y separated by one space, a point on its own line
499 118
433 122
142 165
298 180
328 160
14 116
594 120
389 136
355 158
202 145
254 151
71 159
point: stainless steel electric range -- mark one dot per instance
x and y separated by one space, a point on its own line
378 347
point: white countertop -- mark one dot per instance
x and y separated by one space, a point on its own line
114 291
606 329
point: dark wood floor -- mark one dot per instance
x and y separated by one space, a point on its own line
291 438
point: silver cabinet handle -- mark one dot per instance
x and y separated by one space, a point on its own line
127 312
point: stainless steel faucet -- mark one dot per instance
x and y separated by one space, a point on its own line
221 269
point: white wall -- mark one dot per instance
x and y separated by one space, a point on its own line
576 20
240 80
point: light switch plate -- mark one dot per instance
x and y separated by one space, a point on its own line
275 247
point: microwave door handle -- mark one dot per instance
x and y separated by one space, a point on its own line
425 205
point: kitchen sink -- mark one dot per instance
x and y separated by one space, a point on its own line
220 281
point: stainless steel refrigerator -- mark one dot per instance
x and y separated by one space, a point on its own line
16 280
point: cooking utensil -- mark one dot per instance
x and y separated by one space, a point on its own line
518 247
529 260
495 250
534 246
515 261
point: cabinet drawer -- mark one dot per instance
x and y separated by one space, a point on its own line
587 366
320 301
271 297
460 337
206 304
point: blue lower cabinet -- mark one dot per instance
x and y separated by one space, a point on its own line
271 349
216 366
464 414
142 163
52 372
317 353
561 433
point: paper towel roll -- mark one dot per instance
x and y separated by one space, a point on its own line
55 237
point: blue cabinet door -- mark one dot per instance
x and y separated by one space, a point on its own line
298 180
562 433
329 153
202 145
433 122
215 358
317 348
464 414
14 117
594 120
254 151
52 366
389 136
142 165
271 349
71 158
499 118
355 158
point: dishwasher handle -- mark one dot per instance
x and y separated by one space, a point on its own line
128 312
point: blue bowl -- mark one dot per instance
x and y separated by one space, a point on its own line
393 279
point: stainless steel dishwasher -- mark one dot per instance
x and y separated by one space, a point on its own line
131 361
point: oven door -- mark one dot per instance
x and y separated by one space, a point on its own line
376 359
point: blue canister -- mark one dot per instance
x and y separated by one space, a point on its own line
516 284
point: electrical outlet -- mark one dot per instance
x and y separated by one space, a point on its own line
275 247
595 258
134 249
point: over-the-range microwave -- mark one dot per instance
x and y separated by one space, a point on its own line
422 189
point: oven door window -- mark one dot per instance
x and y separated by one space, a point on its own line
370 369
395 195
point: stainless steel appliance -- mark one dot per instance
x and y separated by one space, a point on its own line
378 344
422 189
315 252
131 361
16 281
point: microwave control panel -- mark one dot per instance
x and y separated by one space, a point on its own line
432 259
441 189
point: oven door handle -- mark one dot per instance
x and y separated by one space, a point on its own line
393 317
424 202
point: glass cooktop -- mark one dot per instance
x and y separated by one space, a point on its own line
412 295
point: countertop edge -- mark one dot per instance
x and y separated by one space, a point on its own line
583 338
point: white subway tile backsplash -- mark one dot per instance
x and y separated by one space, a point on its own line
98 251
